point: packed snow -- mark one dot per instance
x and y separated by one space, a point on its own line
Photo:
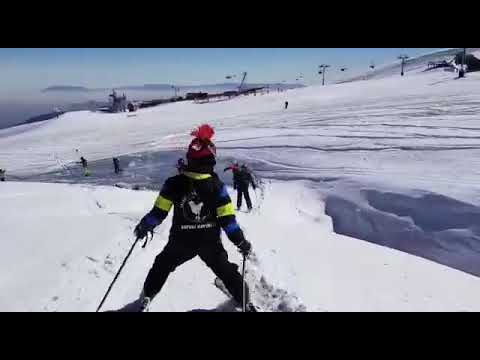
371 200
68 250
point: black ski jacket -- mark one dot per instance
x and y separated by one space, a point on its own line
243 179
201 206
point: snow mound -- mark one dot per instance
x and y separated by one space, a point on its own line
429 225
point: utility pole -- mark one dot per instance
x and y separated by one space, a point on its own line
403 58
461 72
323 67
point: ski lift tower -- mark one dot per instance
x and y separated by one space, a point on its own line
244 77
323 67
403 58
461 72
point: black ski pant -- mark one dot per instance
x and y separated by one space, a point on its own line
242 191
212 253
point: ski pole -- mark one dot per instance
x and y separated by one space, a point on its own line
244 305
118 273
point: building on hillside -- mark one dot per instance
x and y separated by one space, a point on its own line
472 63
438 64
196 95
119 103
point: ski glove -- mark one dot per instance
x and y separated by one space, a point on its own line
142 230
245 248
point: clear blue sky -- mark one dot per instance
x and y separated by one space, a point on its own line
34 69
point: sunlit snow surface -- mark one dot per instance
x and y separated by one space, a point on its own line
393 161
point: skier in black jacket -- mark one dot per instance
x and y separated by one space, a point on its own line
201 207
84 163
116 165
242 178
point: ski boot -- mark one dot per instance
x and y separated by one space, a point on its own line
144 304
141 304
251 308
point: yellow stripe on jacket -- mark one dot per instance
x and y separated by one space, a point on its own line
163 203
226 210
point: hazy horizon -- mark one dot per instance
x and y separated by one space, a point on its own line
16 111
26 71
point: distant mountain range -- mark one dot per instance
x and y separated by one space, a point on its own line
66 88
162 87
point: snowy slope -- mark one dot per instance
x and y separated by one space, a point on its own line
375 129
97 135
67 255
393 161
413 65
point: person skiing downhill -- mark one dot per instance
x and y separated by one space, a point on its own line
201 207
242 178
84 163
116 165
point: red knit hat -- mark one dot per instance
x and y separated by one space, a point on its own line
202 145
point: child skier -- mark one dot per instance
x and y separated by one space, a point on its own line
201 207
242 178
